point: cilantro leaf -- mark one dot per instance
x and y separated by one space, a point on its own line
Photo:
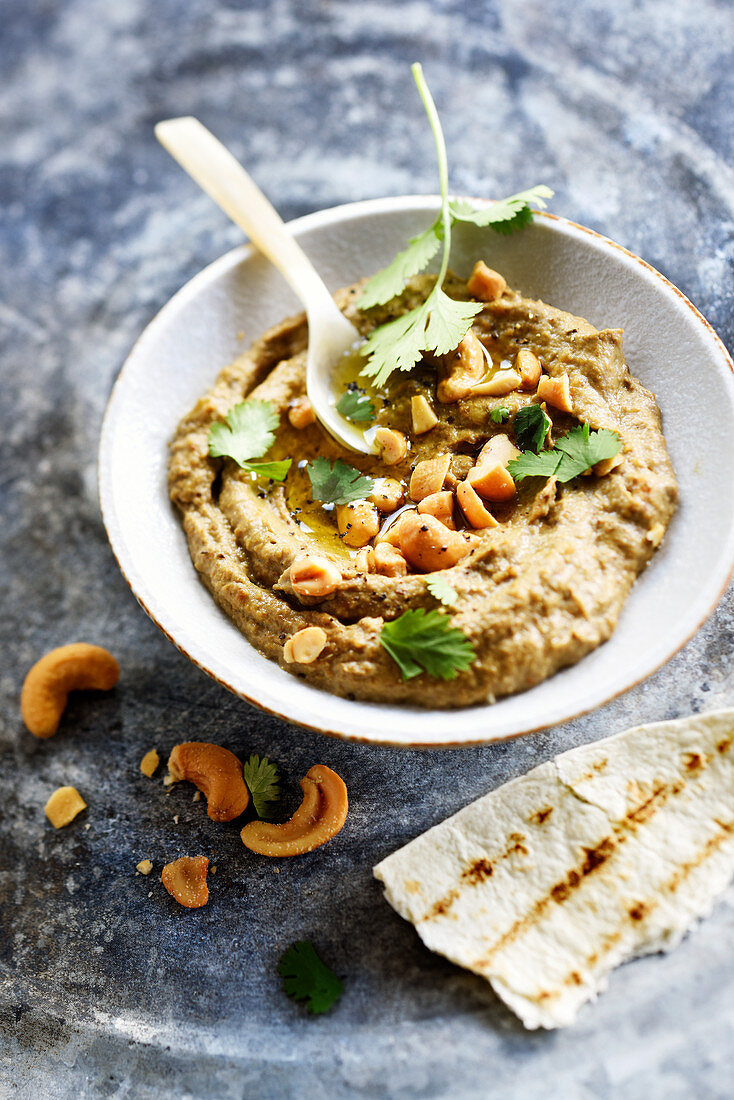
338 483
572 455
391 280
439 323
441 590
356 406
581 449
249 431
531 427
499 414
262 780
307 978
531 465
504 216
422 640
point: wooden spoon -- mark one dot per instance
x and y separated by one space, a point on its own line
330 334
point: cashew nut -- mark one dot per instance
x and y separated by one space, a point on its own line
528 367
314 576
305 645
185 880
391 445
461 369
440 505
428 545
498 450
472 507
484 283
301 413
76 667
63 806
428 476
493 482
358 522
501 383
320 816
422 415
388 561
387 494
556 391
216 772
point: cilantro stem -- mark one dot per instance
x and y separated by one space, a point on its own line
443 166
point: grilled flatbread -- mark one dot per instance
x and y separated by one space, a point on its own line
608 852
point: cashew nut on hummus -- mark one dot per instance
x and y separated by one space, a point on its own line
540 566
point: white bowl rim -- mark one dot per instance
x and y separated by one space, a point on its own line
703 608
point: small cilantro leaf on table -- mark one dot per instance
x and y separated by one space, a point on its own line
531 426
439 323
356 406
263 783
499 415
572 455
338 483
248 433
441 590
425 641
307 978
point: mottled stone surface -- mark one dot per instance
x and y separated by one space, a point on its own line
625 109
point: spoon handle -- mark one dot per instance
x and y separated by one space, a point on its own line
224 179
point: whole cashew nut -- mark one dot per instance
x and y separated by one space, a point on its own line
216 772
76 667
185 880
319 817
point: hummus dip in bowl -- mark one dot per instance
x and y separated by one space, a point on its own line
667 345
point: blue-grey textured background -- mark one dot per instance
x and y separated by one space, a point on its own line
107 988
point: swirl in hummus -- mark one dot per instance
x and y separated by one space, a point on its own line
539 585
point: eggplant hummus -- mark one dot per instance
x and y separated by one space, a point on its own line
540 567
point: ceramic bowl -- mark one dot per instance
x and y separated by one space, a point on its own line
668 345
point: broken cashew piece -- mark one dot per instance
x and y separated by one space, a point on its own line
216 772
76 667
185 880
320 816
63 806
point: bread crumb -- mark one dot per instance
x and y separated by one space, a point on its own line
145 867
149 763
63 806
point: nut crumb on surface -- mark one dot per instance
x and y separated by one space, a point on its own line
63 806
149 763
175 819
145 867
197 796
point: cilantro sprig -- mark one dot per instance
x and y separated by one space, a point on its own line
425 641
307 978
356 406
572 455
248 433
263 782
440 322
338 483
499 414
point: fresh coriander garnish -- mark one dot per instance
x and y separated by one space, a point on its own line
441 590
440 322
263 781
337 484
307 978
425 641
572 455
499 415
248 433
531 426
356 406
